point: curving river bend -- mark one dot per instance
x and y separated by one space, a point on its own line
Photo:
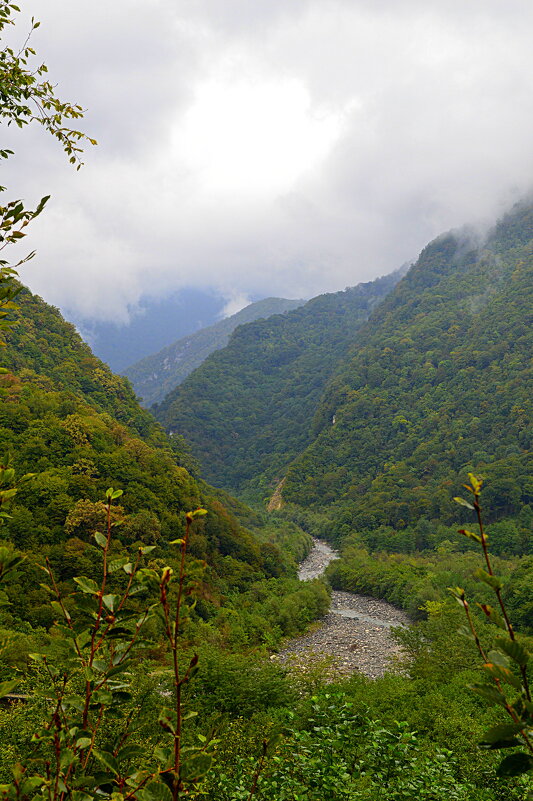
355 632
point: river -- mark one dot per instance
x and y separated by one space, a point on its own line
355 633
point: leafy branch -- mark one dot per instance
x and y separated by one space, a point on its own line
502 663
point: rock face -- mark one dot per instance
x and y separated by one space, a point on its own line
355 635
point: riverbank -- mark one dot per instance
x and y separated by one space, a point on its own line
354 636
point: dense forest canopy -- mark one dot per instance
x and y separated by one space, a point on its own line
155 376
246 409
438 383
372 422
68 418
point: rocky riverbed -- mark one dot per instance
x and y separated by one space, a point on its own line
354 635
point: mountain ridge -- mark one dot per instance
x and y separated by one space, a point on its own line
437 384
248 406
156 375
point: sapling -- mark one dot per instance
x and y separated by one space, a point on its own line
506 664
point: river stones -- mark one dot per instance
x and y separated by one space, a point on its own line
354 636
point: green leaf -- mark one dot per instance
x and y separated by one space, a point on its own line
503 674
166 720
83 742
75 701
147 549
459 595
61 611
131 752
154 791
195 768
163 755
470 534
67 759
116 564
489 693
100 539
36 657
502 736
7 687
514 649
110 601
115 671
497 658
116 494
79 795
462 502
475 481
103 697
87 585
492 581
515 764
88 604
107 759
198 513
493 615
31 784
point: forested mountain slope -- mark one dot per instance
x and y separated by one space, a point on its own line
247 409
438 383
155 376
65 417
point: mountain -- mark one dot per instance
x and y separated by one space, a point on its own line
438 383
66 418
371 406
155 323
155 376
247 409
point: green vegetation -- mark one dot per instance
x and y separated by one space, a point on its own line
404 735
246 410
438 385
135 623
155 376
67 418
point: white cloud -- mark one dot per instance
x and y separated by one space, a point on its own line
235 304
270 147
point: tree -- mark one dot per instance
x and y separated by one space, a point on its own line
26 96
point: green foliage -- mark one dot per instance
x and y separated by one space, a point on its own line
28 96
506 664
246 410
155 376
436 384
122 666
83 746
67 417
337 751
408 580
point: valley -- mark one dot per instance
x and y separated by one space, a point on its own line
362 413
353 636
288 554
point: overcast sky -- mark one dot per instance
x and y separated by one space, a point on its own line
263 147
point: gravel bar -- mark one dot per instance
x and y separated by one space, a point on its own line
354 635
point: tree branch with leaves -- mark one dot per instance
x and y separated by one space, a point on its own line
507 663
